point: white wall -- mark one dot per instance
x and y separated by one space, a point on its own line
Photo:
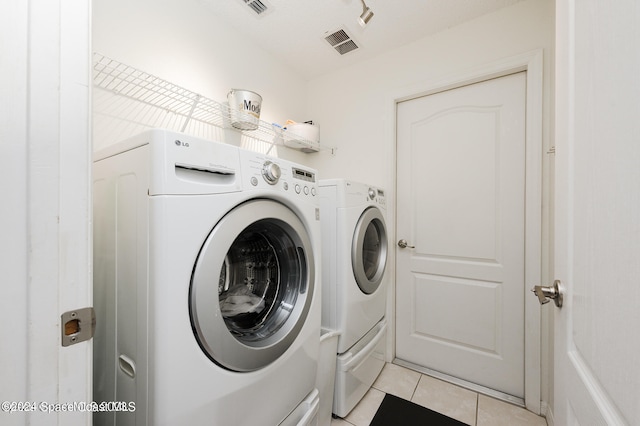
352 105
186 44
355 106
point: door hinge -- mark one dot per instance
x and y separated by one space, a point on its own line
77 326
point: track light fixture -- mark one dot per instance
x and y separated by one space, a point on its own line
366 15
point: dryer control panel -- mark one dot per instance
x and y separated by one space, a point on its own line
377 195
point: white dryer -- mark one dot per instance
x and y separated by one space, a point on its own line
354 258
206 284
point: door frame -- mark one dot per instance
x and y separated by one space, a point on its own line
532 63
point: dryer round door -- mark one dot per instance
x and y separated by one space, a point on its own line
369 250
252 285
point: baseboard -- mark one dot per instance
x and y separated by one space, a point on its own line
548 414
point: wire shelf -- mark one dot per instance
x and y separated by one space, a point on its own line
181 108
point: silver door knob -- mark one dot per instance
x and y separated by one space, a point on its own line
404 244
545 294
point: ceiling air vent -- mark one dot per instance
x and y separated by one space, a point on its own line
259 7
341 41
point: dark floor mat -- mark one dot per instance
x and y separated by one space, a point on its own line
396 411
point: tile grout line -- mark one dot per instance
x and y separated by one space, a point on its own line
415 388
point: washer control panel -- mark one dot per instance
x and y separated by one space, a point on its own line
278 174
308 179
376 195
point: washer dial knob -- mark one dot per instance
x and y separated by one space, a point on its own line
271 172
372 193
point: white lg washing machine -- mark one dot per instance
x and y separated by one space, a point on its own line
206 284
354 257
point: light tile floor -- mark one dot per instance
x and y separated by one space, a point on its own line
467 406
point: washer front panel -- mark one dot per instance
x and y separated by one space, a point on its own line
252 285
369 250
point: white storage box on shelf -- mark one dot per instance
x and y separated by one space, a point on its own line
300 135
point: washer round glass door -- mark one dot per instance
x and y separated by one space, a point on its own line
369 250
252 285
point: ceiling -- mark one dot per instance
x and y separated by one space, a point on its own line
294 31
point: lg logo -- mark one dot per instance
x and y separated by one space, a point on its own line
180 143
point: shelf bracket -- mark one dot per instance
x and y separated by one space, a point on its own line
193 108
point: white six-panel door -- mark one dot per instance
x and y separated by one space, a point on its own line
461 188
